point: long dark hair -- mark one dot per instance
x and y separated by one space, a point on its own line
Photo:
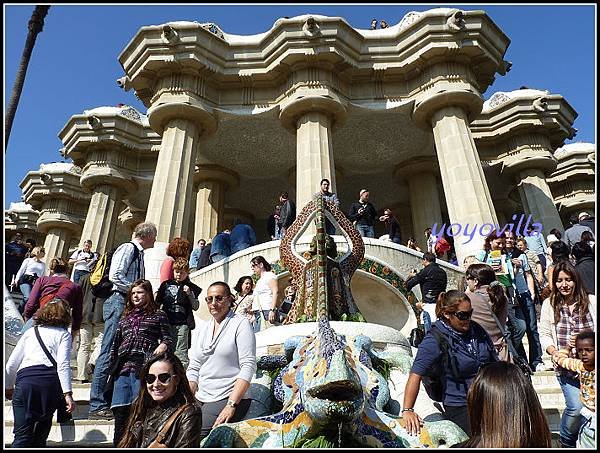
238 285
144 401
579 294
485 275
501 388
149 303
559 252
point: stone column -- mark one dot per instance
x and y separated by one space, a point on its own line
467 194
169 207
57 244
211 182
537 199
421 176
101 220
312 119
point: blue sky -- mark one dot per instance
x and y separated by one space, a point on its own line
74 64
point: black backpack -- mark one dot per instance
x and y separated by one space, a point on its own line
103 288
433 380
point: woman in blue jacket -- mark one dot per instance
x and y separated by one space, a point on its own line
469 348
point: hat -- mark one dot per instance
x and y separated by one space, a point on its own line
583 215
363 191
551 238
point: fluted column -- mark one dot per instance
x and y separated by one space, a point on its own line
421 177
210 204
57 244
537 199
169 207
467 194
101 220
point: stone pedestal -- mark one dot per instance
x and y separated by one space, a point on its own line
537 199
101 220
169 205
467 194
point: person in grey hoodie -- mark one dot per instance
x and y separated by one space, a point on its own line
573 233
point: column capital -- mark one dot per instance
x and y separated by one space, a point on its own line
411 167
444 95
211 172
171 106
321 100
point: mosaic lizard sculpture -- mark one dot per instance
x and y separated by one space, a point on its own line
330 388
338 274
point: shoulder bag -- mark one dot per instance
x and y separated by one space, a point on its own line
52 360
160 437
517 359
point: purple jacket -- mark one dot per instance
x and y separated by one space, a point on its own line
71 292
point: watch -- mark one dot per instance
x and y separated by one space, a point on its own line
232 404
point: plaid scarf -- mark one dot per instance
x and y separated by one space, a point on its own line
570 324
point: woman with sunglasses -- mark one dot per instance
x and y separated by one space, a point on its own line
164 391
143 330
222 360
469 348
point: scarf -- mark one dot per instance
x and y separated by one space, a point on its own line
208 345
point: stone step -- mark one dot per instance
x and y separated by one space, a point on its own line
82 408
77 433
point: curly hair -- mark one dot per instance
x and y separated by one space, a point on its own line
58 266
144 401
240 282
56 313
487 243
179 247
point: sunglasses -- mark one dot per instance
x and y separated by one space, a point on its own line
209 299
462 315
164 378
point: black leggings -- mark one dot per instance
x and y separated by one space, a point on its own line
210 412
460 416
121 414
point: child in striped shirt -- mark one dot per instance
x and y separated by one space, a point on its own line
585 344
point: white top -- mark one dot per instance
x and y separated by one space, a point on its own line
216 363
262 292
31 266
547 326
28 352
83 265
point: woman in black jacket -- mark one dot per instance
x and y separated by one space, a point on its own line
164 391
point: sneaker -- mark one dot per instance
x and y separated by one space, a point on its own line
540 367
102 414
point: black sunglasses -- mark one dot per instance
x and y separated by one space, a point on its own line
463 315
215 298
164 378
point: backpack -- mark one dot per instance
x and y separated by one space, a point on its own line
99 281
48 297
433 380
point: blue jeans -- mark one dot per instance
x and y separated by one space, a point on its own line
26 291
77 274
28 432
516 323
397 240
571 419
535 347
113 307
217 257
426 321
366 231
27 325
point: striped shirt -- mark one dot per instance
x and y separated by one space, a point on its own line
587 379
124 270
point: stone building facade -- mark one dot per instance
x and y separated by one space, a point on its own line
233 120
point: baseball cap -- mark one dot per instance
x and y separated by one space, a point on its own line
583 215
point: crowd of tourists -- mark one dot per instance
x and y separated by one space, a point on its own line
167 381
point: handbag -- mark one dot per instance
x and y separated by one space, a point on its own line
517 359
416 336
160 437
28 279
